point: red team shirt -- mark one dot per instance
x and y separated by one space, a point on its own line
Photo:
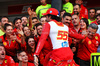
8 61
11 49
29 64
88 46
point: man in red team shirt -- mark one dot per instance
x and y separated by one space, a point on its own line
58 34
83 10
10 41
4 59
97 22
23 59
77 10
89 45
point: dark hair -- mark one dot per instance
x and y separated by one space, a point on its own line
42 17
94 26
92 8
36 25
54 17
4 17
86 21
20 51
6 25
16 20
78 5
97 15
23 16
62 11
67 14
29 49
35 18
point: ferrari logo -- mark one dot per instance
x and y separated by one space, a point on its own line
96 38
5 61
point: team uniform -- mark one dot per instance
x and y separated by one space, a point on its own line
91 21
58 33
89 46
28 64
8 61
95 22
68 7
10 47
84 11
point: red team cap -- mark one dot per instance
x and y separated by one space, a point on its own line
52 11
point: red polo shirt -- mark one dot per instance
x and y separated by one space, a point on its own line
88 46
29 64
8 61
11 48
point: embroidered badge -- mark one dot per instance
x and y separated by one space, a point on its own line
89 42
5 61
4 43
96 38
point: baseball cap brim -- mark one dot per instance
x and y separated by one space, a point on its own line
44 14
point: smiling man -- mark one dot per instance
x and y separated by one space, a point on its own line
4 59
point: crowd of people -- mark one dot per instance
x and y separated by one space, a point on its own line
49 37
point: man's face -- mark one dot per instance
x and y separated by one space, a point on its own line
91 32
4 21
97 12
76 9
9 30
66 20
24 56
39 29
98 19
2 52
78 2
34 21
18 23
75 20
24 20
43 20
43 1
92 13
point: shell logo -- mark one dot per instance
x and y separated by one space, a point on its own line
4 43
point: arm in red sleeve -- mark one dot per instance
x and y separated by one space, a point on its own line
10 61
76 35
43 37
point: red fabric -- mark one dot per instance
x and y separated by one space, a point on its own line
11 49
63 58
29 64
84 11
8 61
30 56
45 33
89 46
71 25
95 22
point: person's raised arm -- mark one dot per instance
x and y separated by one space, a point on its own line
76 35
43 37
